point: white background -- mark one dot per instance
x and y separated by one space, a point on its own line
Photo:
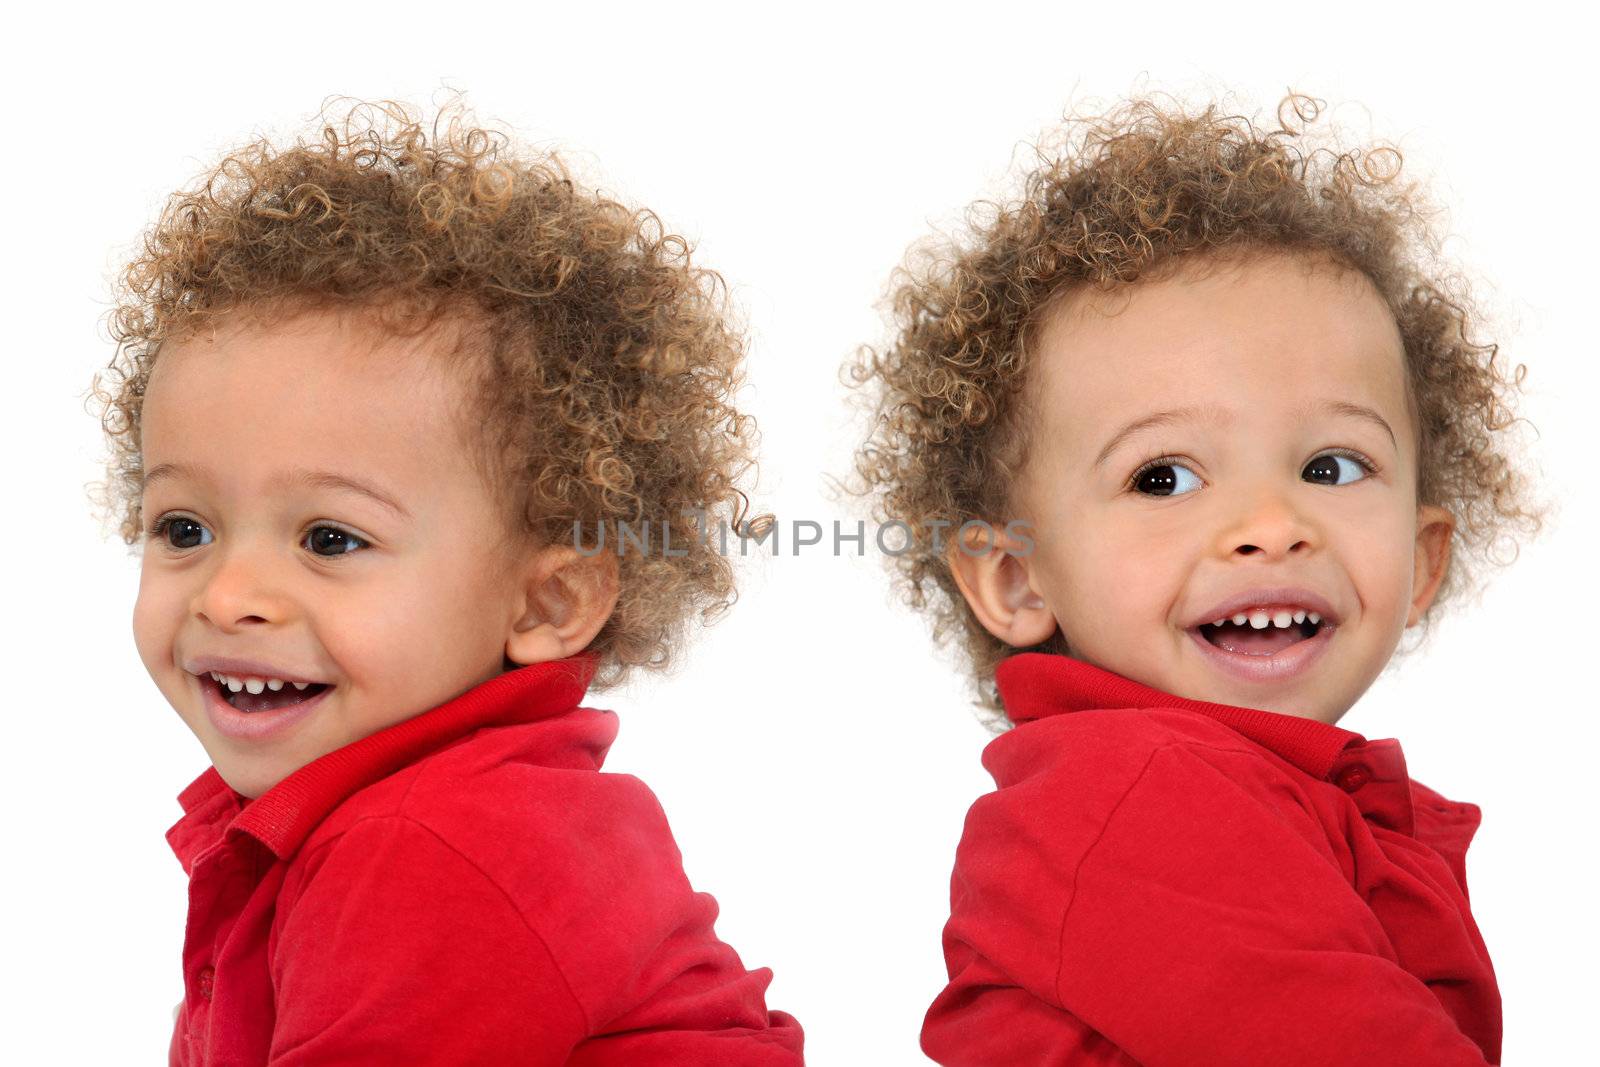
814 753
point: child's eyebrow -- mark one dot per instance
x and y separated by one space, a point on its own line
1161 418
311 479
1170 416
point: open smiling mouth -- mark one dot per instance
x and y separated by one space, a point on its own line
1247 640
267 699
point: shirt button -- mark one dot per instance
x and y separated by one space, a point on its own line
1353 778
206 975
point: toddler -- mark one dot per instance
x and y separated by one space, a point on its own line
1206 432
378 393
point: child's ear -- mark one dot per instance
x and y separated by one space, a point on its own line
991 568
1434 527
568 598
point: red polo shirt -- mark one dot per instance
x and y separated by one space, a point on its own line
463 887
1163 881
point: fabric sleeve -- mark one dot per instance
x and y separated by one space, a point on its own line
1207 921
985 1019
399 950
639 944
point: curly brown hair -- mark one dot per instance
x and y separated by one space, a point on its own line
1145 192
604 362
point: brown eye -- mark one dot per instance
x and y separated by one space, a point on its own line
334 539
1161 478
1326 470
183 528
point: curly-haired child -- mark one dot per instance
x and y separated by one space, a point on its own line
1202 428
379 395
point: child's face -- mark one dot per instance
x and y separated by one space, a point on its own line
1252 498
399 608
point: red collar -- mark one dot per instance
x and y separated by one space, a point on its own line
1037 684
284 815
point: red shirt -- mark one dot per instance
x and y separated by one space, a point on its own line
462 887
1163 881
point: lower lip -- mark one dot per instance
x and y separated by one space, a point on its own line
254 725
1284 664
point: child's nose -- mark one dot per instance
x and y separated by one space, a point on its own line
241 588
1266 522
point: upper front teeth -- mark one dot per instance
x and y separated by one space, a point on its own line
1261 618
255 685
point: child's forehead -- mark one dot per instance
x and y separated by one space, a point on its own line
1221 289
1268 312
1262 341
373 329
309 352
308 394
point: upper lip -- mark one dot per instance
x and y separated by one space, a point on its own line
1266 598
245 668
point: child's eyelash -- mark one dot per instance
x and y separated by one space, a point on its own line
1150 465
1349 453
159 527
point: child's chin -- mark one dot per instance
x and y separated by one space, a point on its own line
250 774
247 777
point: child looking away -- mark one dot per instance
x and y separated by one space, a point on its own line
366 385
1241 411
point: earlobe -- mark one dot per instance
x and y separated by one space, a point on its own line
993 576
1435 527
568 598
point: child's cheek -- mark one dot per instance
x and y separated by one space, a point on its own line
152 628
1119 550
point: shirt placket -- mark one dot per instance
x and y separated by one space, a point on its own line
219 887
1375 776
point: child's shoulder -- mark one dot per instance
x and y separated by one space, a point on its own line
1109 749
1113 791
524 804
1061 780
514 834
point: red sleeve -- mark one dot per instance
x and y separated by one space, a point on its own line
582 945
399 950
1206 920
639 944
985 1019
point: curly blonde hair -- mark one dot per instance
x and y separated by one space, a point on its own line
1146 191
603 361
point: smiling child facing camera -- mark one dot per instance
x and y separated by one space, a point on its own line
366 385
1230 390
